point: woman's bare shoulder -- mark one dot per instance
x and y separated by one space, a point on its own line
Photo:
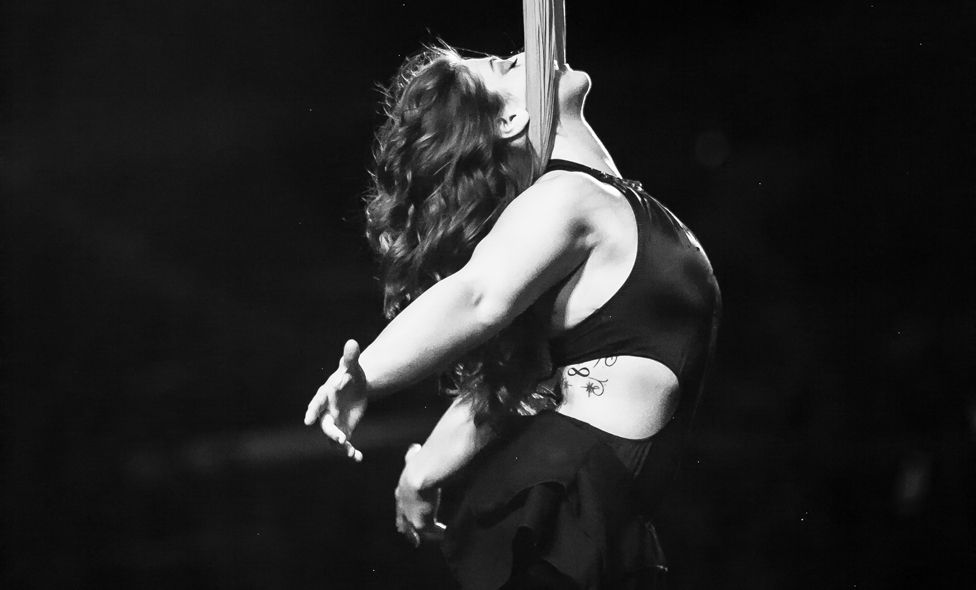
570 191
557 203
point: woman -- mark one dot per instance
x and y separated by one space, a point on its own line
484 269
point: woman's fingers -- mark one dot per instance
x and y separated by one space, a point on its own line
336 382
338 405
314 407
416 534
352 452
329 428
406 529
434 533
339 437
319 400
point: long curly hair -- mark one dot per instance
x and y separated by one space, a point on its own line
442 175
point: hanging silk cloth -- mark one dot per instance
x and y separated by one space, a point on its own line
544 26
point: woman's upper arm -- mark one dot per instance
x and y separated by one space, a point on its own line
540 238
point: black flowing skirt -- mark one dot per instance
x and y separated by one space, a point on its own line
551 506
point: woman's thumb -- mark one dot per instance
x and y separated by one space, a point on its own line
350 353
413 450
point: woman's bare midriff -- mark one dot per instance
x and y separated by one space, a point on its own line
627 396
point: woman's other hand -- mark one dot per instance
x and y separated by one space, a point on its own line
416 509
339 404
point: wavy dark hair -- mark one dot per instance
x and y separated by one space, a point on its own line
442 175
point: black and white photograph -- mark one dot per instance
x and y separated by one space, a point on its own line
512 295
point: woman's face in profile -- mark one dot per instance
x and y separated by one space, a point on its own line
505 77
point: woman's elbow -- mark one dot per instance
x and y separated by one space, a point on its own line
493 313
490 308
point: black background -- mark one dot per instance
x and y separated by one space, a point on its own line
183 259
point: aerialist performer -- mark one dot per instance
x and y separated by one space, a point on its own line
571 315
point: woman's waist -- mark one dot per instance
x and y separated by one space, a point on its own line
630 397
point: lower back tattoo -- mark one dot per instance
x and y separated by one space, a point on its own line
592 384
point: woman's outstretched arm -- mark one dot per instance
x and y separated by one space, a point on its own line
539 239
452 444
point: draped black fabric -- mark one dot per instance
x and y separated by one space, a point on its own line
551 502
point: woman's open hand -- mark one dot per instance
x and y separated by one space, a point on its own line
416 509
340 402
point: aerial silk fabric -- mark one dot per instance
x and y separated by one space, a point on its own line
544 23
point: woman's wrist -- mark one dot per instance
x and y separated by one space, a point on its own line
377 385
415 475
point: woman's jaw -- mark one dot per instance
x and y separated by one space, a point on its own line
573 86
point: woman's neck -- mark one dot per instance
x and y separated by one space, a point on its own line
577 142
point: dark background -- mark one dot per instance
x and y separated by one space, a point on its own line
183 259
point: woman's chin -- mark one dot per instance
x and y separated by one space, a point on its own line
573 88
573 81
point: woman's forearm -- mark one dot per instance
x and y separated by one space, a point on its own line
449 319
455 440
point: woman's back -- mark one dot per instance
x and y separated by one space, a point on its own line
631 325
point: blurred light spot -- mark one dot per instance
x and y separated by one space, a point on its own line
711 148
214 454
912 482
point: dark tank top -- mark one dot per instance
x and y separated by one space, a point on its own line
668 307
668 310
